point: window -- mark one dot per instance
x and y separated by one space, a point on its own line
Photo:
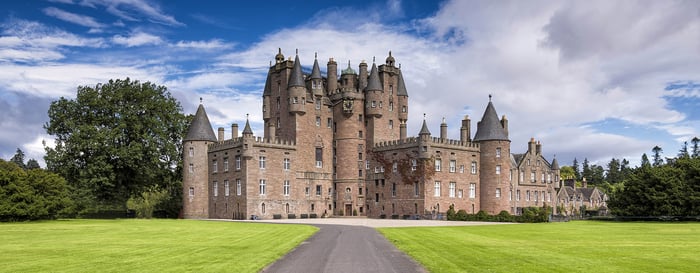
543 181
286 164
414 164
461 168
318 121
376 169
318 101
391 124
359 134
517 195
533 178
262 206
391 89
191 191
306 191
453 188
215 167
285 190
262 186
359 173
437 189
416 189
498 169
473 167
498 152
366 164
527 195
453 166
536 195
359 118
498 192
313 206
295 100
472 190
460 194
262 162
227 188
359 156
319 157
510 195
391 106
216 188
318 190
549 196
329 123
191 168
403 109
191 151
238 187
438 164
279 123
393 189
238 162
226 164
376 197
374 104
394 167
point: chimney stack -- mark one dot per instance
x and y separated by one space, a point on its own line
234 130
221 134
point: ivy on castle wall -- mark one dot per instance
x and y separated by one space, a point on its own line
425 168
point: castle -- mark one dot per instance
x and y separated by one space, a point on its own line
338 146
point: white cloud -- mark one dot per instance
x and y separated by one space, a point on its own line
131 10
206 45
78 19
28 41
137 39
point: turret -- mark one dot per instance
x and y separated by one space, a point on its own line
373 94
494 148
297 89
348 78
267 92
402 97
248 140
195 201
424 141
316 80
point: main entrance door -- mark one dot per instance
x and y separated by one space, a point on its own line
348 209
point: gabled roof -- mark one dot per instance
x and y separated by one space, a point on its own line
518 158
401 86
200 128
316 71
490 127
374 83
296 78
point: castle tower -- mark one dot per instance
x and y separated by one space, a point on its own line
495 162
195 196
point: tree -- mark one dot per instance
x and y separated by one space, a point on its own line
614 174
566 172
645 161
116 140
683 152
577 173
31 194
586 172
657 151
32 164
696 149
18 159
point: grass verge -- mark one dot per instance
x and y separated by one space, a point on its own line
579 246
145 245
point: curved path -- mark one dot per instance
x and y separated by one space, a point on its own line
345 248
351 245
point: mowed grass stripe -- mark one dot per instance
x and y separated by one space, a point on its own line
145 245
579 246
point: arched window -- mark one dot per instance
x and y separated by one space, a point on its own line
262 208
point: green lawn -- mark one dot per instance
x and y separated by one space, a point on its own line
144 245
580 246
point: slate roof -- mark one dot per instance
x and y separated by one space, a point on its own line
296 78
247 129
555 164
490 127
374 83
200 128
401 86
316 71
424 130
268 84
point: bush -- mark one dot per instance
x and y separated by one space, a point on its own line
462 215
277 216
451 215
32 194
146 202
291 216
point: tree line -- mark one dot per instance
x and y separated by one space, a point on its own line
660 186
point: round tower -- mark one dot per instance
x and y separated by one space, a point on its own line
494 171
297 89
195 177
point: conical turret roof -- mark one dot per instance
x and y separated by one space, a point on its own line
424 130
316 71
555 164
374 83
490 127
268 84
401 86
246 129
200 128
296 78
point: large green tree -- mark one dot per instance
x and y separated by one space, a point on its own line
116 140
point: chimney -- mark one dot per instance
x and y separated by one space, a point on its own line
234 130
363 75
504 123
443 129
464 131
221 134
584 184
531 146
539 147
332 75
402 130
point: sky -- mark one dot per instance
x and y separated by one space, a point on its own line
588 79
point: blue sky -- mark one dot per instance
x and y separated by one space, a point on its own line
593 79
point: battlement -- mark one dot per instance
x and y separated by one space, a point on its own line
435 141
257 141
